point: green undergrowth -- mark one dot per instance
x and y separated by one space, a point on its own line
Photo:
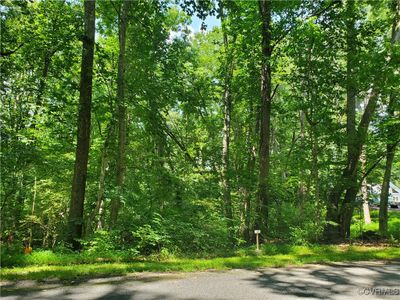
358 226
47 265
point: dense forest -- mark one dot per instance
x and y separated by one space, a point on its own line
124 127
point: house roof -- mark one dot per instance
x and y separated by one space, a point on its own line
395 188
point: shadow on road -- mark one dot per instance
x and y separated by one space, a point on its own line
328 282
339 281
108 288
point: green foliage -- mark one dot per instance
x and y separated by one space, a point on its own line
149 239
171 201
310 232
100 242
358 226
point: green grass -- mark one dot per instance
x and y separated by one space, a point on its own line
358 225
73 266
48 257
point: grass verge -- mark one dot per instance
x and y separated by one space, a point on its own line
273 256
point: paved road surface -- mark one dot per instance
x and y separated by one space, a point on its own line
340 281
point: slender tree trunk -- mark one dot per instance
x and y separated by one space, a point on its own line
315 172
162 191
393 133
302 187
41 87
314 164
116 202
383 207
265 117
225 161
42 81
32 210
75 218
34 196
100 192
248 178
20 200
100 219
227 104
247 195
364 191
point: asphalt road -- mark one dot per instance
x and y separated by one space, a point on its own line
340 281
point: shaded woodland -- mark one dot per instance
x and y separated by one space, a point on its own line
123 125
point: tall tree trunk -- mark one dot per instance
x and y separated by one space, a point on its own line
20 200
315 170
247 193
393 132
384 197
341 211
247 179
42 80
98 210
116 202
392 135
75 218
352 143
161 185
41 87
353 186
302 187
351 191
265 117
33 209
227 104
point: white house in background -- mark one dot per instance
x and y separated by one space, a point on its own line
394 194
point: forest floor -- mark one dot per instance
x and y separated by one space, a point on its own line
373 280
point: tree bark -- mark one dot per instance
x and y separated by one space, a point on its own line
42 80
392 135
384 197
227 104
265 117
75 218
352 141
351 192
116 202
302 187
20 200
247 179
98 210
341 211
364 192
247 194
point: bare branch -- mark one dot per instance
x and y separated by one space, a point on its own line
273 94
